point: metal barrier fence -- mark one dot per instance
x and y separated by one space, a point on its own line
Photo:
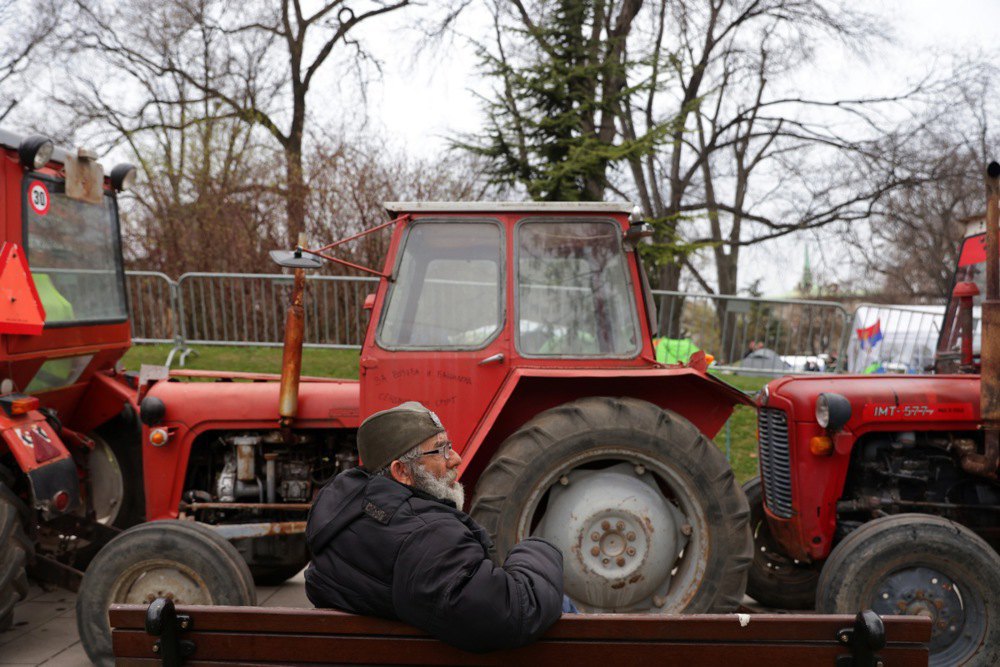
249 309
753 336
745 335
153 307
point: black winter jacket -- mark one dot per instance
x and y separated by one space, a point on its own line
382 548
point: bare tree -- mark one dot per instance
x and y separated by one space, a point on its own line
910 250
26 28
267 57
350 182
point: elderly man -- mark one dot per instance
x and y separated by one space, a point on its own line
390 539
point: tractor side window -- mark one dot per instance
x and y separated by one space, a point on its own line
73 251
573 291
448 291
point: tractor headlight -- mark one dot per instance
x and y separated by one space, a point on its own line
35 151
832 411
123 177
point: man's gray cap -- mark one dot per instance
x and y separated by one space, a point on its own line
387 435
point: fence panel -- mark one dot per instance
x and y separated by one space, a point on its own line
249 309
893 339
153 307
754 336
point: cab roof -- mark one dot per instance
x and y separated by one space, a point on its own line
397 208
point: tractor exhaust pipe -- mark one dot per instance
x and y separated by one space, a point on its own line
291 358
989 396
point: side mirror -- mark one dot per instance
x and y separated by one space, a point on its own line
294 259
638 233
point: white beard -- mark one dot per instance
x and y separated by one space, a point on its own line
447 487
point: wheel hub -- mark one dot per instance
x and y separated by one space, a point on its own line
146 581
923 591
620 536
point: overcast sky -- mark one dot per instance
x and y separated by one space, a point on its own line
419 106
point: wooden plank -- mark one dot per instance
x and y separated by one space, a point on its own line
356 650
721 627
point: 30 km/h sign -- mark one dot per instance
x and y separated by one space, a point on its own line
38 198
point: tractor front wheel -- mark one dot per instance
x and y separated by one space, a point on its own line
921 565
180 560
775 579
644 508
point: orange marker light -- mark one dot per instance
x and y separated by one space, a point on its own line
18 404
158 437
24 405
821 445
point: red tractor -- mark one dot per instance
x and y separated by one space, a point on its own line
527 327
881 490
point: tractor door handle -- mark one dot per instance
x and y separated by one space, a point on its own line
496 358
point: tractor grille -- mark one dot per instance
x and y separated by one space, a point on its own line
775 465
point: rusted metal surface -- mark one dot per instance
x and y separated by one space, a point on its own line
990 346
291 359
239 531
288 507
49 570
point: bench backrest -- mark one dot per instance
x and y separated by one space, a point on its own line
260 636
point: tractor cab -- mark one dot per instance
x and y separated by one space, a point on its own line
66 316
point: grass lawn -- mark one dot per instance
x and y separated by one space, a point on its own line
741 431
324 363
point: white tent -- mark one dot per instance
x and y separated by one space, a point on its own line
909 336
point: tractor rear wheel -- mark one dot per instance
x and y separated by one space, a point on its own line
775 580
181 560
921 565
644 508
15 550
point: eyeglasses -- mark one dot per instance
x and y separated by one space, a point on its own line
444 450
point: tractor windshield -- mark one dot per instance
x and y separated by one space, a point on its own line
971 268
573 291
74 253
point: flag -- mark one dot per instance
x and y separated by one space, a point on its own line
870 336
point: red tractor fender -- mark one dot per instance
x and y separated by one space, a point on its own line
43 458
106 396
701 398
195 408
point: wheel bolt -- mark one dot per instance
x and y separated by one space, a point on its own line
620 561
686 529
630 551
564 480
659 601
606 525
640 470
605 560
596 551
620 525
595 536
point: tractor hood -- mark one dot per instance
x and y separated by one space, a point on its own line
882 401
254 404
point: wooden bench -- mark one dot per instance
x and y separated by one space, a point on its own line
161 634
